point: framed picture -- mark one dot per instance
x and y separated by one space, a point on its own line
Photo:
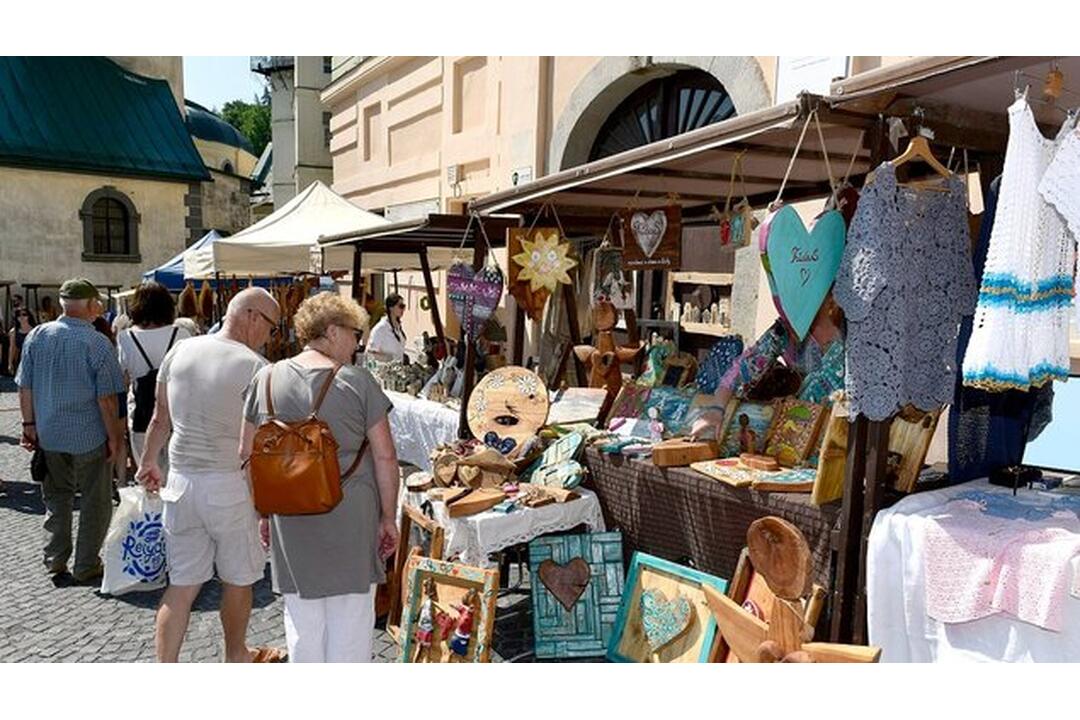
577 585
610 283
663 616
795 429
747 429
630 402
679 369
449 615
651 238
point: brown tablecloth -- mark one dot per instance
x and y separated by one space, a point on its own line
680 514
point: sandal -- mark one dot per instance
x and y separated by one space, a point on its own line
266 654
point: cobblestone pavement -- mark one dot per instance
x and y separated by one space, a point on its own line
43 623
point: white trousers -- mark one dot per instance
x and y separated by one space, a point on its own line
338 628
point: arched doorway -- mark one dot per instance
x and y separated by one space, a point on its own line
661 108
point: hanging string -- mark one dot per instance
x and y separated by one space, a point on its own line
854 157
825 154
791 162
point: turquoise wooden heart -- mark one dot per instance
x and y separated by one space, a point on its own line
663 620
802 265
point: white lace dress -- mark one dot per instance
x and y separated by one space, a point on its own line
1060 187
1020 337
904 284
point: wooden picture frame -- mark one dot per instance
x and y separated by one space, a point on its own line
795 431
585 628
679 370
747 585
395 577
695 645
453 581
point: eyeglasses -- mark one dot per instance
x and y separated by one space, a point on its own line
274 329
401 306
356 331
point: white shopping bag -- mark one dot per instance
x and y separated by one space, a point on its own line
135 545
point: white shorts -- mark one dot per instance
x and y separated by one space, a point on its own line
210 520
338 628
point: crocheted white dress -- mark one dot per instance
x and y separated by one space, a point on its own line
1020 337
1061 188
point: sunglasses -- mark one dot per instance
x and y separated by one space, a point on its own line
355 331
274 329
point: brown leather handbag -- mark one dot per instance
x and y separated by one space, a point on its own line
294 466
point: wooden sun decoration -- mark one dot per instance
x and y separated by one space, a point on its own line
781 556
544 260
603 360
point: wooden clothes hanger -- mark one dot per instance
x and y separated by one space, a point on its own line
919 149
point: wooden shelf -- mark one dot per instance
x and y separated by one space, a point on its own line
704 277
700 278
715 330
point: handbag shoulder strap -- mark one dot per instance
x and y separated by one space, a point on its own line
172 339
325 389
270 392
356 462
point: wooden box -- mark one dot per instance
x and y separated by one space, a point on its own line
680 452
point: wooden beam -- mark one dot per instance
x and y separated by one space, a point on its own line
433 299
570 301
877 460
518 352
847 550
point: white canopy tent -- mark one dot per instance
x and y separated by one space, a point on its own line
282 241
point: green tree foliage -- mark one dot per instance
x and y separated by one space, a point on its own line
252 119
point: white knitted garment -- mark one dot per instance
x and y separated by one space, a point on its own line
1020 337
1061 188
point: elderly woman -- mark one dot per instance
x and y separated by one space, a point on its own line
327 566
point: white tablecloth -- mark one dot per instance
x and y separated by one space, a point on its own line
896 598
419 426
475 537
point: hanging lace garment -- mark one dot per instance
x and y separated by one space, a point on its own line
1060 187
904 283
1020 337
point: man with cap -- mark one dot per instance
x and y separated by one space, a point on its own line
68 379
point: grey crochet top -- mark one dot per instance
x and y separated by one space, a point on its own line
904 283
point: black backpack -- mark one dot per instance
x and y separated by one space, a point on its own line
146 388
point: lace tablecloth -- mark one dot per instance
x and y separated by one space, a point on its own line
897 594
419 426
473 538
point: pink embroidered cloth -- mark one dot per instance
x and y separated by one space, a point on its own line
978 564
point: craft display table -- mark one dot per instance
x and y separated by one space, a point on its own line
473 538
419 426
680 514
897 603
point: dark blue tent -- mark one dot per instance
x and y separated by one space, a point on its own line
171 273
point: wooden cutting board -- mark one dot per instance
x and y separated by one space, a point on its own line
680 452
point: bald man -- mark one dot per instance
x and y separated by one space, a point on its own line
209 520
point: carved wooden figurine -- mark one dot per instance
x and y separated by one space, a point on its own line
603 360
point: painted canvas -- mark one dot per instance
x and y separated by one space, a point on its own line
748 429
610 283
795 429
630 402
577 585
674 406
663 616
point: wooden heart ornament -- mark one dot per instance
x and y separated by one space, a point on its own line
801 264
652 239
566 582
474 295
664 620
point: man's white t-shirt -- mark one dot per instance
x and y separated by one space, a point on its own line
383 340
155 342
207 379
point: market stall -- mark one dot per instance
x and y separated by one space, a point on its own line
829 281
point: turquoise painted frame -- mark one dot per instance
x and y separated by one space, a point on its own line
488 585
633 575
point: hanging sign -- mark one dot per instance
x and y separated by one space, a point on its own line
652 239
474 295
610 283
538 265
801 264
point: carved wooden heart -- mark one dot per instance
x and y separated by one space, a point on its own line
566 582
649 230
663 620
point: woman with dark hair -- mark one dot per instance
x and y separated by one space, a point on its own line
142 349
387 340
24 322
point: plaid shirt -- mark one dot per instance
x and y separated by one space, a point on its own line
69 365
